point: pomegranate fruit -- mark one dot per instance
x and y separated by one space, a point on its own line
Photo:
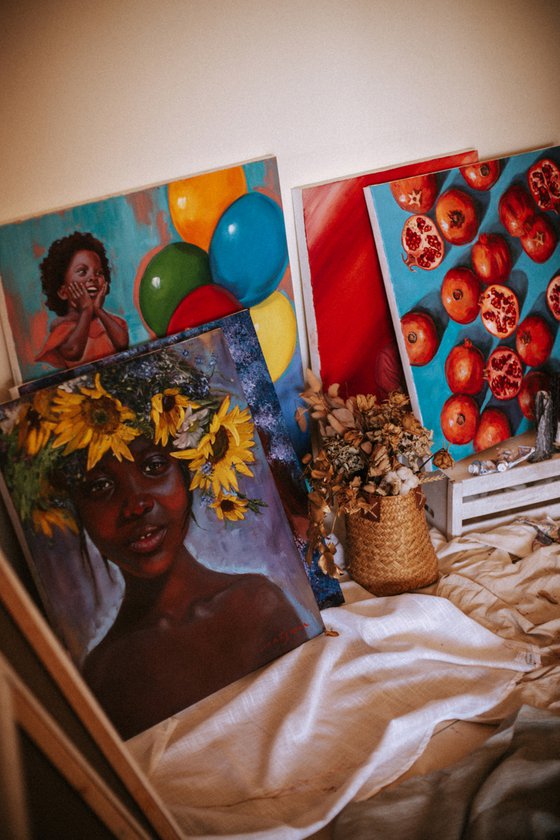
499 310
387 368
494 427
460 294
516 210
482 176
459 418
544 182
504 373
540 239
422 243
420 337
553 296
464 369
534 340
456 216
416 194
533 382
491 259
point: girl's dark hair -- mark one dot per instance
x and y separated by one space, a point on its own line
53 268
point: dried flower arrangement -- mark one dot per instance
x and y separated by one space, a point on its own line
367 449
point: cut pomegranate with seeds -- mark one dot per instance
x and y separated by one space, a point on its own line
499 310
504 373
553 296
544 182
422 243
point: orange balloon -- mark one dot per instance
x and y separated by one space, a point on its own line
197 203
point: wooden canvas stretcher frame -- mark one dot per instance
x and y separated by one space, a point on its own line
20 711
93 759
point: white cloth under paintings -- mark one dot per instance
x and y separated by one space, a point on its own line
280 753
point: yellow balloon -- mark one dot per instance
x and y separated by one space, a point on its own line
197 203
275 324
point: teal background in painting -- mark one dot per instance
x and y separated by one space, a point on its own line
126 235
420 290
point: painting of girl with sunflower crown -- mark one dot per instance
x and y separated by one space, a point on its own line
154 529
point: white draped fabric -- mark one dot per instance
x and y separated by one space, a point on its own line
281 752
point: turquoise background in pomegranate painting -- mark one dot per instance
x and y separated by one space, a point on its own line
248 240
420 290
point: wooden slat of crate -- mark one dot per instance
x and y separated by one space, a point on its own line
464 502
484 523
510 499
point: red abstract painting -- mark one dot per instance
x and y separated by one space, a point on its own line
351 335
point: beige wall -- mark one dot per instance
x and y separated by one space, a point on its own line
100 97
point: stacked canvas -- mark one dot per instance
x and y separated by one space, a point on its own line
350 332
150 461
157 261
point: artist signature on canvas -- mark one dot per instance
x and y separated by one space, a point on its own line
284 635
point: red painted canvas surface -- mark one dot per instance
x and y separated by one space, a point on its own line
351 336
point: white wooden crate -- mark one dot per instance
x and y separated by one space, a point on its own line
462 502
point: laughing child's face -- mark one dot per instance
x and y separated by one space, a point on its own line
84 271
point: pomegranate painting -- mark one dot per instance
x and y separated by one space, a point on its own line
471 265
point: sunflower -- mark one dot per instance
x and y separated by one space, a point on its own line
93 418
36 422
167 413
228 506
54 517
223 451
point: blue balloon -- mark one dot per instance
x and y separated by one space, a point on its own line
248 251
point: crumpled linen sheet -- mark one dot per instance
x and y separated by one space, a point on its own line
507 582
281 752
509 787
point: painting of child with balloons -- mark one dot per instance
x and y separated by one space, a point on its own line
177 255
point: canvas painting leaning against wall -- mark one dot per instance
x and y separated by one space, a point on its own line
350 333
88 281
473 283
154 530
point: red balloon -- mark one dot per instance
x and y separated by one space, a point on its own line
203 304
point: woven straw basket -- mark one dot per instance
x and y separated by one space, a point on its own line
389 551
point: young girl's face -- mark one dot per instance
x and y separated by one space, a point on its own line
85 270
137 512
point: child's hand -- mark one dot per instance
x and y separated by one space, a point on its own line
99 299
78 296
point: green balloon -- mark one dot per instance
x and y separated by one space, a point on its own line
170 275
